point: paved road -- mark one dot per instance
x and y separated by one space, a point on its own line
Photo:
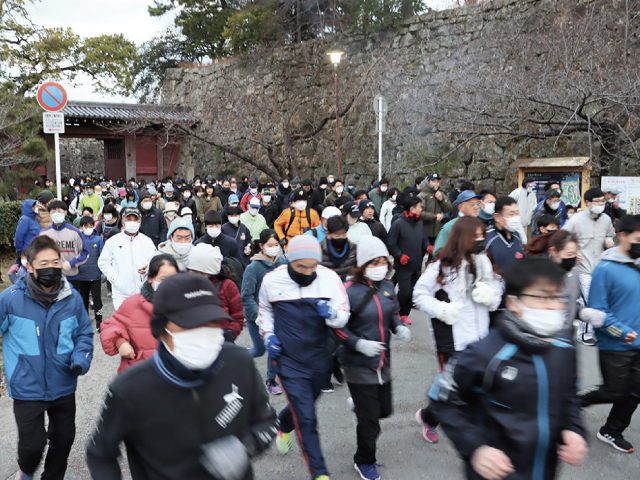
405 455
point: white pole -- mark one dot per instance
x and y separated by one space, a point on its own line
380 120
58 179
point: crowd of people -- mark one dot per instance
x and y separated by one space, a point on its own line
324 275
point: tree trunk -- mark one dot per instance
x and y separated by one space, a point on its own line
407 9
298 26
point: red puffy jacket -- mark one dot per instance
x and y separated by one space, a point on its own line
130 323
232 303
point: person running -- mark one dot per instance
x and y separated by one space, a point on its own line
206 392
527 202
365 347
267 257
457 291
296 220
28 227
214 236
299 304
238 232
386 212
357 229
153 223
179 241
469 203
47 343
435 205
90 276
508 402
252 219
379 195
504 243
338 253
206 202
127 332
550 207
368 212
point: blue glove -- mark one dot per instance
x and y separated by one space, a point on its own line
273 345
326 310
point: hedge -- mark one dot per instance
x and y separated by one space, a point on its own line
10 213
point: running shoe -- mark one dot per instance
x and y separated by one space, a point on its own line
284 442
429 433
405 319
23 476
367 472
273 387
352 405
338 375
616 441
328 387
323 477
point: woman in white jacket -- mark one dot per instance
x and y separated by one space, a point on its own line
457 291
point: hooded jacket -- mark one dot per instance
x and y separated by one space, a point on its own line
591 233
181 259
28 226
252 280
386 213
431 207
527 202
73 246
614 290
255 223
40 344
408 237
89 270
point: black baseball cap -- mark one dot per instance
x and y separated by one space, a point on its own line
130 211
352 208
189 300
300 194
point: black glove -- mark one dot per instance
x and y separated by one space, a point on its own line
283 242
229 336
77 369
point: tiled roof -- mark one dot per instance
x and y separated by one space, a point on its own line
127 112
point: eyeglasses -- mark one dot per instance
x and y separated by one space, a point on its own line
547 299
476 204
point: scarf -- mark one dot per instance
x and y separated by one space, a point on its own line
466 279
147 291
411 216
300 278
38 294
335 256
515 331
176 374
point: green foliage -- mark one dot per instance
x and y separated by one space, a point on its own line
21 177
368 15
10 213
246 29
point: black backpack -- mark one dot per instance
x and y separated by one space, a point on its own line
237 267
293 217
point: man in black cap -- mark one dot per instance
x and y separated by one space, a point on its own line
368 211
357 229
296 220
197 409
153 224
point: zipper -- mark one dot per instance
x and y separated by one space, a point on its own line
44 353
381 326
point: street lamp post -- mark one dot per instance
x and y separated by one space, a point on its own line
335 59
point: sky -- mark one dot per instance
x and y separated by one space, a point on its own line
89 18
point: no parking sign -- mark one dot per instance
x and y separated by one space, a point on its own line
52 96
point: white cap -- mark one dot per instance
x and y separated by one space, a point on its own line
331 212
186 211
205 258
171 207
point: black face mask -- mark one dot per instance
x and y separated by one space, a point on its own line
300 278
226 190
338 243
49 276
569 263
479 247
634 251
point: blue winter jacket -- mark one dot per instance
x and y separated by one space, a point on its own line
89 270
562 208
41 345
28 226
614 290
251 282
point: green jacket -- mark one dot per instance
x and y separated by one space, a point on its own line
255 224
431 207
333 196
443 236
378 198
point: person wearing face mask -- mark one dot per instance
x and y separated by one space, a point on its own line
338 191
127 333
468 205
91 199
109 225
42 315
282 193
208 201
268 207
338 253
214 236
298 305
167 196
296 220
379 195
234 201
238 232
434 205
179 241
321 193
595 233
187 201
357 229
551 207
367 212
503 239
72 243
527 200
612 208
519 377
488 207
614 290
252 219
28 227
90 276
125 257
223 192
249 195
153 224
365 347
386 212
320 232
548 224
195 381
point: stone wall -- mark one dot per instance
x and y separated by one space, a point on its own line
249 100
81 156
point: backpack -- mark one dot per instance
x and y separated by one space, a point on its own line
293 217
237 267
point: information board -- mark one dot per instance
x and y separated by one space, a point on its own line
629 196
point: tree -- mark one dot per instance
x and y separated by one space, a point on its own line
30 53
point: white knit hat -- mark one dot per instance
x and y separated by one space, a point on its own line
370 248
205 258
330 211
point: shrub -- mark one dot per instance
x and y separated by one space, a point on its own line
10 213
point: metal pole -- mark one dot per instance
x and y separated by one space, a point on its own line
56 138
338 123
380 120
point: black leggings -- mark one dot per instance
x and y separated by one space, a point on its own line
372 402
94 288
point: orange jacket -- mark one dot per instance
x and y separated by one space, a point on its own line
299 225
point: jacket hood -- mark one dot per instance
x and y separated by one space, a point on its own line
27 208
165 247
263 258
614 255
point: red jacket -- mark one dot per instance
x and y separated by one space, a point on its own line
130 323
232 303
244 203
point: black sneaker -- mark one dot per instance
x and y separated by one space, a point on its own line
328 387
339 376
616 441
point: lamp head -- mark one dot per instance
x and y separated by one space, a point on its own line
335 57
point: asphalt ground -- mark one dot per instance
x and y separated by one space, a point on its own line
401 448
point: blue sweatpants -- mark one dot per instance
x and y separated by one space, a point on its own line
300 415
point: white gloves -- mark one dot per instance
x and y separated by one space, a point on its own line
484 294
403 334
225 458
370 348
592 316
448 312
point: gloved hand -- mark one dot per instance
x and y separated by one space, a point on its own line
225 458
448 312
370 348
283 242
77 369
14 268
273 345
484 294
404 259
403 334
326 310
593 317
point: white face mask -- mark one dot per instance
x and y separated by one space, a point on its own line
155 285
213 232
489 208
57 217
187 194
170 214
394 198
339 190
146 205
376 274
530 189
197 348
383 189
266 198
569 215
234 220
543 322
323 187
253 211
596 209
271 251
513 224
131 227
611 200
285 184
23 261
554 206
181 248
330 179
108 217
253 191
87 231
301 205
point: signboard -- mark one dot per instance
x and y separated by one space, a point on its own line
377 102
569 182
53 122
52 96
629 198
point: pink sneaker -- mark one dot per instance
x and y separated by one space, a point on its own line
429 433
405 319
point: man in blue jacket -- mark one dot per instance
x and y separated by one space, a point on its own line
28 227
614 290
47 343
